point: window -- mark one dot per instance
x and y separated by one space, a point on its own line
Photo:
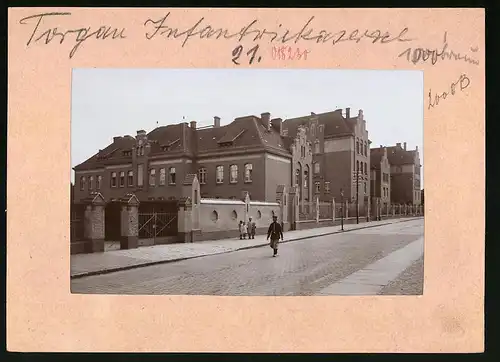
316 167
122 178
248 172
327 187
357 146
82 183
162 176
98 182
285 132
317 187
366 168
320 128
113 179
297 177
91 182
357 165
233 174
361 167
306 179
202 174
152 177
140 175
364 183
131 178
302 151
171 176
316 146
366 149
219 174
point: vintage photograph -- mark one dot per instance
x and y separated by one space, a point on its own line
265 182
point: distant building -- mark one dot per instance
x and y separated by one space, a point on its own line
405 174
380 175
340 147
251 154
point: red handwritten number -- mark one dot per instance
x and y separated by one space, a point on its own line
288 53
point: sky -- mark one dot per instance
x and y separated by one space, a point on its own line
116 102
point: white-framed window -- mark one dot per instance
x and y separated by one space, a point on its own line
316 146
248 172
152 177
219 174
233 174
91 182
113 179
316 167
317 187
306 179
162 176
202 175
82 183
130 176
140 175
327 187
98 182
122 179
171 176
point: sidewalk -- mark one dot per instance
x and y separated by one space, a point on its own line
111 261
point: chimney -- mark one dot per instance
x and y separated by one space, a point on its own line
404 146
348 112
116 139
381 146
216 122
278 125
360 115
265 118
193 124
416 148
398 145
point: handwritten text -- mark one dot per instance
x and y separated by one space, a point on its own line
462 82
47 35
289 53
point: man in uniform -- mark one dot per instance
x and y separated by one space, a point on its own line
275 232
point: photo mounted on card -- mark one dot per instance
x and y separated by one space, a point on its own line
182 166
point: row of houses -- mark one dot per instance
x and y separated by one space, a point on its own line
326 156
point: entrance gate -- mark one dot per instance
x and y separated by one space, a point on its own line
112 221
157 225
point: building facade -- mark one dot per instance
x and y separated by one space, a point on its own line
380 175
340 152
405 174
250 154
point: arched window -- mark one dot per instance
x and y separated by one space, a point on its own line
98 182
82 183
171 176
152 177
219 177
316 167
162 176
248 172
202 175
91 182
316 146
233 173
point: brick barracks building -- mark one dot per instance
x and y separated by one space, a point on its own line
320 153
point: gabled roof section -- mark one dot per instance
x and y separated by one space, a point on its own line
334 122
167 139
398 156
111 155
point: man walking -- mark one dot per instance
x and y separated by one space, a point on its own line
275 232
251 229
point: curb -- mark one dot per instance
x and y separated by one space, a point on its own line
151 263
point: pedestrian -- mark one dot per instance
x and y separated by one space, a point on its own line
241 229
245 230
251 228
275 232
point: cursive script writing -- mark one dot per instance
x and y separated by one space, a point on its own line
82 34
289 53
416 55
462 82
203 30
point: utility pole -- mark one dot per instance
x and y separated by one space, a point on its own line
341 209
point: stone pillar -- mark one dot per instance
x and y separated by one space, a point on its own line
185 221
333 209
129 222
94 224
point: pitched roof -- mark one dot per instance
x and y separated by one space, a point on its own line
334 122
399 156
111 155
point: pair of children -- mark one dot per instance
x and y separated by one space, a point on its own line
247 229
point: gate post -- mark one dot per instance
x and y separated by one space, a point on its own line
129 222
333 209
184 220
94 224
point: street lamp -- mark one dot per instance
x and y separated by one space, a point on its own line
341 210
357 194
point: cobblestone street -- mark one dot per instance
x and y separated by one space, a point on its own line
304 267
